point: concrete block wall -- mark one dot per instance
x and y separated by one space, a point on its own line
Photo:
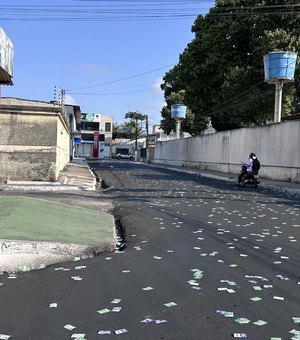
30 166
62 146
276 145
34 143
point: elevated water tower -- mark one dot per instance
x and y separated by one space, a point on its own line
178 112
279 70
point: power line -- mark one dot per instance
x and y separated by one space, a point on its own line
122 79
108 93
116 89
135 10
242 102
106 11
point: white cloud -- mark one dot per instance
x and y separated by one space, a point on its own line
69 100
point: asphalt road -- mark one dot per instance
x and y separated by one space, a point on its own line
205 259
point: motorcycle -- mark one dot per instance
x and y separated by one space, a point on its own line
246 178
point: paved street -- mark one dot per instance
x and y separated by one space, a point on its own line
205 259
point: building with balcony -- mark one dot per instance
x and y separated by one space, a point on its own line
96 136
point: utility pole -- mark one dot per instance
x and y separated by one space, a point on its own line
147 135
136 133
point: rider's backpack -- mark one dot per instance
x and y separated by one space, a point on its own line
256 164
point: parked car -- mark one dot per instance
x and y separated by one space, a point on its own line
124 156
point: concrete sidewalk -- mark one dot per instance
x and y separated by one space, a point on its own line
75 176
46 223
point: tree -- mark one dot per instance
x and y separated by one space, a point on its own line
123 130
192 123
134 117
221 70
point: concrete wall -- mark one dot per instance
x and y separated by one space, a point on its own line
34 141
276 145
62 147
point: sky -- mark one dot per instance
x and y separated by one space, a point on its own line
108 56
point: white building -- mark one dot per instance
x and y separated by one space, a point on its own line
96 136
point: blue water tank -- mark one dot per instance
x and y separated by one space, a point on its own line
280 66
178 111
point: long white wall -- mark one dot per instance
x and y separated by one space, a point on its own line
276 145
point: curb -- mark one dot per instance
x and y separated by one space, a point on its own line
21 256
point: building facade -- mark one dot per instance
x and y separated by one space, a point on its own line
35 139
96 136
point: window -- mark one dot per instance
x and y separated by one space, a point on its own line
107 127
91 126
87 137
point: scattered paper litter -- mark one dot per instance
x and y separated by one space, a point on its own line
104 332
115 301
225 313
242 320
296 319
76 278
255 298
160 321
103 311
79 267
280 277
53 305
260 323
69 327
78 336
229 290
281 298
116 309
4 336
170 304
121 331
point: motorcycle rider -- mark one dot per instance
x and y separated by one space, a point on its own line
247 172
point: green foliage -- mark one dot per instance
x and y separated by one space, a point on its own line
124 130
221 71
135 115
133 125
193 124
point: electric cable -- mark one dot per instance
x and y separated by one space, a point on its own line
122 79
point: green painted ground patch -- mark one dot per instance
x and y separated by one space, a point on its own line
30 219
